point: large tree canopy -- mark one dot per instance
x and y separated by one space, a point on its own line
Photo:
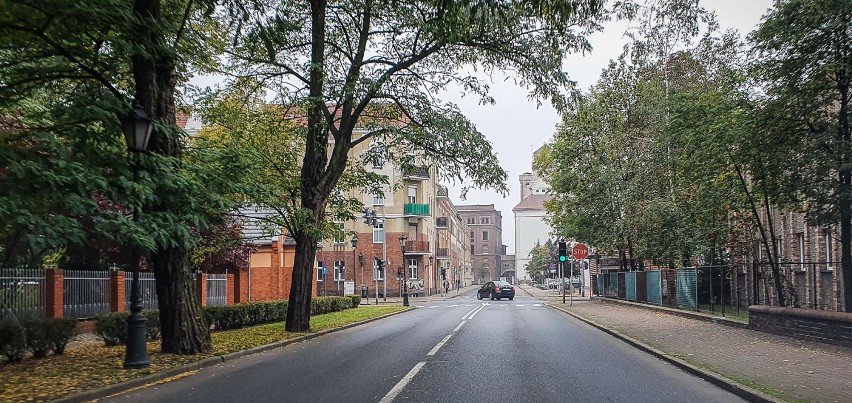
344 61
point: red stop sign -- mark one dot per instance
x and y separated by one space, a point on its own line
580 251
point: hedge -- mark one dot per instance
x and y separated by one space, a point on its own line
112 328
40 336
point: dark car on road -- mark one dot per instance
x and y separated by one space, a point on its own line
496 290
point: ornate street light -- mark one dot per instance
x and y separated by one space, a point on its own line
137 131
402 239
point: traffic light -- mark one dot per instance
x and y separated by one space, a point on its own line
443 273
563 251
380 265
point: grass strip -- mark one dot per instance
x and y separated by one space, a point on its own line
93 365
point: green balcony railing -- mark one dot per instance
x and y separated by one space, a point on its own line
416 209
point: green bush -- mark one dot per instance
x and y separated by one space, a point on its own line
248 314
37 340
60 332
112 328
356 300
324 305
13 344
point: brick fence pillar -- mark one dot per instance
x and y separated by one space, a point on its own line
230 290
54 293
201 288
116 288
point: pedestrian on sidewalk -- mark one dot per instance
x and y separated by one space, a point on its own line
446 286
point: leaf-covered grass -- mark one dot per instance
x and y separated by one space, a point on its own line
91 365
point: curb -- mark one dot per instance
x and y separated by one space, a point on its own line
745 392
118 388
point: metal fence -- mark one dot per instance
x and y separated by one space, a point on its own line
217 286
148 287
86 293
22 293
810 285
729 289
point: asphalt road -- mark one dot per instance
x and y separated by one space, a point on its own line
458 350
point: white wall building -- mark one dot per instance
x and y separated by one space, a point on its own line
531 227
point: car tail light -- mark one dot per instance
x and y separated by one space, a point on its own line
496 289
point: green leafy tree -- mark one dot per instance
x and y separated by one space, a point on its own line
342 63
109 54
805 63
541 257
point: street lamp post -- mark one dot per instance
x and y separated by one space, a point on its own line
402 239
354 245
137 131
371 219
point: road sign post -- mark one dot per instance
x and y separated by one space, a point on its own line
578 252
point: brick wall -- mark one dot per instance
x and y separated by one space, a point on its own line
821 326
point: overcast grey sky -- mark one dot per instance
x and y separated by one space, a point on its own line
516 127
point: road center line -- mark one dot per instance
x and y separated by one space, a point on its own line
439 345
402 382
481 307
459 326
470 312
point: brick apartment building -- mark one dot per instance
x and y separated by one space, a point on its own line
485 235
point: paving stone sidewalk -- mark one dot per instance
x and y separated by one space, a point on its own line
787 368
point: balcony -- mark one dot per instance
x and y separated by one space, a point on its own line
442 191
441 222
416 209
415 172
417 247
443 254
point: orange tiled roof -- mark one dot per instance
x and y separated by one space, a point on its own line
533 202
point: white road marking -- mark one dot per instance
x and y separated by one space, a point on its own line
470 312
433 306
520 305
420 306
439 345
452 306
459 326
477 310
536 304
402 382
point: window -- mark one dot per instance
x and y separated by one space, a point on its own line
778 251
337 237
412 269
484 220
379 232
470 220
827 238
378 200
319 270
801 251
412 194
471 249
471 235
377 274
378 148
484 235
339 270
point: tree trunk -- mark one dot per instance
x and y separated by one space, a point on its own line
314 189
301 288
845 202
182 325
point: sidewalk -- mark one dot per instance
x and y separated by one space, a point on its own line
786 368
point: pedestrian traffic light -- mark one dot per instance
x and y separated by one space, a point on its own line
563 251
